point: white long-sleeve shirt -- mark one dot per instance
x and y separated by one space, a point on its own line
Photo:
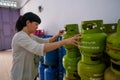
24 47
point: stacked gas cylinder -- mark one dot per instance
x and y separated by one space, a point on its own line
113 50
50 65
51 60
92 46
73 55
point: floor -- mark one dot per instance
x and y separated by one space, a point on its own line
5 64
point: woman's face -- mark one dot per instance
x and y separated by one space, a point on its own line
32 26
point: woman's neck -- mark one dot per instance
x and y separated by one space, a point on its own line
26 30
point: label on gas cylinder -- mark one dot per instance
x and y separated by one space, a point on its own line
89 45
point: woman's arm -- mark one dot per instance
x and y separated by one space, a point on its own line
52 46
56 36
51 39
38 39
27 43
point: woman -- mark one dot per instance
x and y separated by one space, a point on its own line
25 46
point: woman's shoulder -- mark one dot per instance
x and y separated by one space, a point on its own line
20 35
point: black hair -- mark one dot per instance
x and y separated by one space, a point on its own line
21 22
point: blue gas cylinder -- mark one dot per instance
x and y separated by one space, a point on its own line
51 73
62 52
41 70
51 58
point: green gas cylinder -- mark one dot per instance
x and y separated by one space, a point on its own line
109 28
70 31
92 46
90 58
93 39
73 52
70 64
73 55
115 67
71 76
110 75
113 44
113 72
91 71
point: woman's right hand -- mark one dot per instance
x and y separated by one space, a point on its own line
73 40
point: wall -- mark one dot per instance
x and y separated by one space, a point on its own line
8 19
58 13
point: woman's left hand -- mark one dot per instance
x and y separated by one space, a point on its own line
60 32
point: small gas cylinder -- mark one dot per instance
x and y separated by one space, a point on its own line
73 52
115 66
51 73
71 76
91 71
110 28
70 31
70 64
73 55
93 39
113 44
110 75
90 58
41 70
51 58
